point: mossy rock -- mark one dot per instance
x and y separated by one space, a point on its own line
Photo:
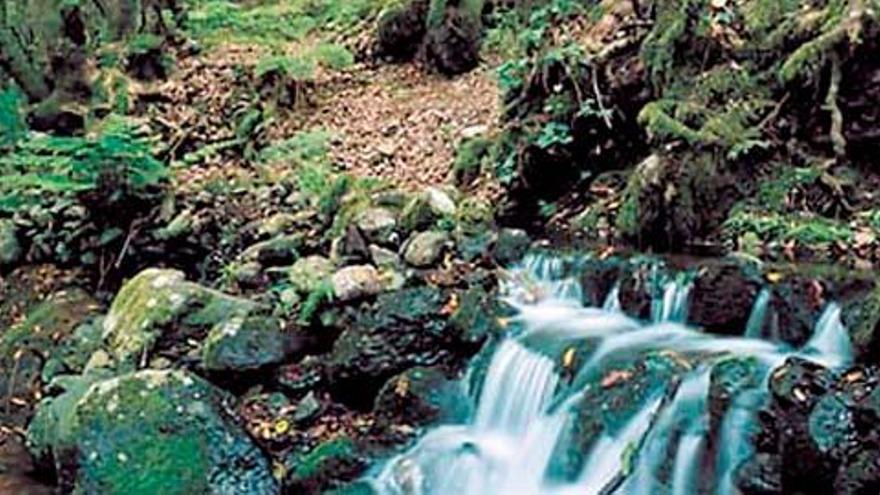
401 30
309 274
330 465
51 340
862 319
11 249
157 432
723 295
160 307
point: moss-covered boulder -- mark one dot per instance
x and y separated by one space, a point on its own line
510 247
862 319
330 465
597 278
53 338
278 251
425 248
11 250
356 282
159 308
156 432
309 274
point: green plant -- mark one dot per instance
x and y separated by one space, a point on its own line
313 302
108 168
12 125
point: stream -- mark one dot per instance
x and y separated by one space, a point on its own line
525 406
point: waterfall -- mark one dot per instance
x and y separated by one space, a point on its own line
672 302
755 325
524 409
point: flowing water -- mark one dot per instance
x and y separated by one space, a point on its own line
525 409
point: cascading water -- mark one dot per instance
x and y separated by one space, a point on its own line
524 409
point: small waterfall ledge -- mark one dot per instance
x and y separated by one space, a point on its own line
527 404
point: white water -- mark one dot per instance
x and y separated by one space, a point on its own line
755 325
523 411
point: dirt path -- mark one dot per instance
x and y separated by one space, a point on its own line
394 122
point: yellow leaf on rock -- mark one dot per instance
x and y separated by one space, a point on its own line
282 426
568 358
774 277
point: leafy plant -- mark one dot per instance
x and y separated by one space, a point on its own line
12 125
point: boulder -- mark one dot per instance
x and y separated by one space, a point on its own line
722 297
247 343
159 308
329 465
384 258
308 274
421 396
510 247
425 248
155 432
404 329
862 319
356 282
597 278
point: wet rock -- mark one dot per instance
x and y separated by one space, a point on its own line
639 283
729 378
17 469
611 399
356 282
426 248
157 432
421 396
510 247
160 308
11 250
248 343
597 278
378 225
862 319
308 274
797 303
477 315
329 465
722 297
405 329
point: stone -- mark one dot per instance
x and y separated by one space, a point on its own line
332 462
308 274
440 202
425 248
280 250
154 432
510 247
11 250
378 225
723 296
384 258
403 329
356 282
421 396
247 344
159 305
307 408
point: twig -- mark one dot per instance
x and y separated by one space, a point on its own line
838 141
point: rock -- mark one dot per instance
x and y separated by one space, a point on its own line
474 131
862 319
425 248
511 246
405 329
180 226
160 307
308 274
797 303
597 278
11 250
280 250
356 282
401 30
51 340
421 396
476 316
350 248
384 258
440 202
329 465
378 225
247 344
638 284
156 432
307 408
723 296
277 224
